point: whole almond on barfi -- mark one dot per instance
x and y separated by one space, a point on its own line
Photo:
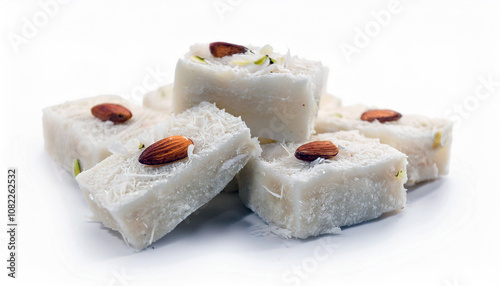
382 115
113 112
316 149
223 49
167 150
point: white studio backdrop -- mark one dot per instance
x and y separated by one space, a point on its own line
437 58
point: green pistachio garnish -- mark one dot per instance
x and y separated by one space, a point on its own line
399 174
76 167
198 59
263 141
141 145
437 140
338 115
261 60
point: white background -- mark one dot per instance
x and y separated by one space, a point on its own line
428 57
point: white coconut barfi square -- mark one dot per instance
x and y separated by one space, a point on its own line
426 141
276 95
145 202
77 139
302 198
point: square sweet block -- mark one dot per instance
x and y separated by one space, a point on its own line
426 141
145 202
73 135
364 180
276 95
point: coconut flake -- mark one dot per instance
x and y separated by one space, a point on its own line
190 151
118 148
266 50
280 196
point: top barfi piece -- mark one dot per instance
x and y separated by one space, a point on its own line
276 95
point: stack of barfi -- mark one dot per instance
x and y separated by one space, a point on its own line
250 119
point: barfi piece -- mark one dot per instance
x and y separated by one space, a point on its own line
146 202
364 180
160 99
426 141
276 95
74 137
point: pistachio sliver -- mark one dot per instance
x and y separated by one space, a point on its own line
437 140
399 174
198 59
261 60
76 167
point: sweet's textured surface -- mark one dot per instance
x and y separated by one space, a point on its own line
364 180
146 202
426 141
276 100
72 133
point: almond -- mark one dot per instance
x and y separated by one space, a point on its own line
222 49
112 112
316 149
382 115
167 150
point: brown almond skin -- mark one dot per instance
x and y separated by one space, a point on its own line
167 150
316 149
113 112
382 115
223 49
